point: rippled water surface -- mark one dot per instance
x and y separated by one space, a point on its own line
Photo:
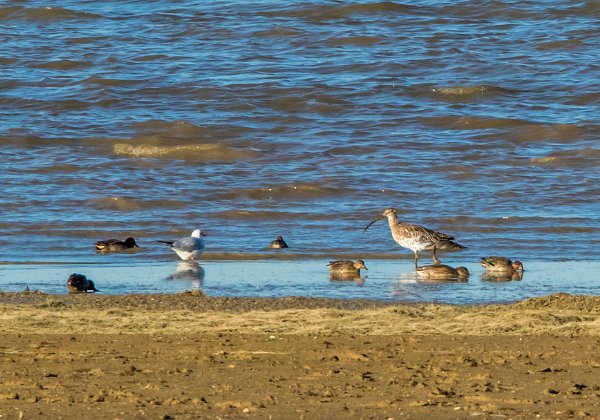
304 119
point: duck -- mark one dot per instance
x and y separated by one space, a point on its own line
189 247
116 245
440 271
346 268
278 243
79 283
501 264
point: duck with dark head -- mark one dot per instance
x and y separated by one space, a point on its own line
278 243
116 245
78 283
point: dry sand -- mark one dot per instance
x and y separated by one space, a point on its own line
192 356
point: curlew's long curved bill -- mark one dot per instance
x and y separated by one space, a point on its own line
369 225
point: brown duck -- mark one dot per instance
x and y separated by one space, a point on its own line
443 272
501 264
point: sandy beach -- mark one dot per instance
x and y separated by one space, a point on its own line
191 356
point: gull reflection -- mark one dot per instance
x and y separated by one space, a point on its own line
190 271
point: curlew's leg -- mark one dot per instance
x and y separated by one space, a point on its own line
435 259
416 260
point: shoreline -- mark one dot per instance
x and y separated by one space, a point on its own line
560 314
188 355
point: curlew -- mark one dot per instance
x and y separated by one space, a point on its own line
416 238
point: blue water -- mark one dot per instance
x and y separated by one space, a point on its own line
301 119
385 280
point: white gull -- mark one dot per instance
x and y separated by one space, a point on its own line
190 247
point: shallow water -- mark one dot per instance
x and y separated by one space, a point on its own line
389 280
304 119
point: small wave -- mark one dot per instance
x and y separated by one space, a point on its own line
455 122
568 230
332 12
177 129
7 12
7 60
152 57
588 157
53 169
292 191
43 13
97 80
469 90
276 33
63 65
565 133
130 204
359 41
322 105
560 45
279 216
204 152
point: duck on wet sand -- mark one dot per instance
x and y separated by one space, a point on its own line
78 283
415 237
188 248
443 272
346 267
278 243
116 245
501 264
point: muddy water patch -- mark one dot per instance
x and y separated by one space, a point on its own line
203 152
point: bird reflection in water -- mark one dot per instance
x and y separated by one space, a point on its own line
189 271
359 280
502 276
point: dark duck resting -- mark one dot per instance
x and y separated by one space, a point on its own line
116 245
278 243
78 283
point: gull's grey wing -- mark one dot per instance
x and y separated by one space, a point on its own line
189 244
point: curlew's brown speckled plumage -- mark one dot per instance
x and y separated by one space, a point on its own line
415 237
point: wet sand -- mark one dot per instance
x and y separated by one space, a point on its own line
191 356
